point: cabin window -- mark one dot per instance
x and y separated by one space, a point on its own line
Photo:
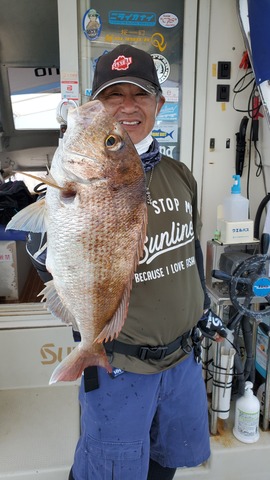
35 95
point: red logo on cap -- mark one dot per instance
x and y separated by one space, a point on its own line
121 63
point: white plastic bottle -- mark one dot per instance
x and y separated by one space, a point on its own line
247 416
235 207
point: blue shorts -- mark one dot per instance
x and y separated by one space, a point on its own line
133 417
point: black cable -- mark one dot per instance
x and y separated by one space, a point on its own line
249 165
252 113
258 215
242 89
242 79
258 165
247 332
40 188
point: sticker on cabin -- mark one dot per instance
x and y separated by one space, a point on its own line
162 66
169 113
166 133
135 19
91 24
171 94
168 20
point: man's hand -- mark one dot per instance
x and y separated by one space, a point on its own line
212 326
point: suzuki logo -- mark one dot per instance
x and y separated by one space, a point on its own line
52 354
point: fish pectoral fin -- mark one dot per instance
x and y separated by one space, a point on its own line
114 326
55 305
30 218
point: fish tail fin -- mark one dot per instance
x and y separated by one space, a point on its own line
74 364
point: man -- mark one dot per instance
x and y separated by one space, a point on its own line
150 415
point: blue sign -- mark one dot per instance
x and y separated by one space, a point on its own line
139 19
261 287
169 112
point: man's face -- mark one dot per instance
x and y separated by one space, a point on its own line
133 107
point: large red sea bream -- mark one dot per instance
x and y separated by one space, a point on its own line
95 216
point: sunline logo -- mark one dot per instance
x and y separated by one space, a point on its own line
51 354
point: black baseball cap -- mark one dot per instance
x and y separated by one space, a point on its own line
126 64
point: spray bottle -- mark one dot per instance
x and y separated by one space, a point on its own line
235 207
247 416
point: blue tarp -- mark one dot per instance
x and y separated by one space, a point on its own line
11 234
259 22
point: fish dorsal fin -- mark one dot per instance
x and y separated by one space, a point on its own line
55 305
30 218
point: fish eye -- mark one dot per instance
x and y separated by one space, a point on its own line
113 142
